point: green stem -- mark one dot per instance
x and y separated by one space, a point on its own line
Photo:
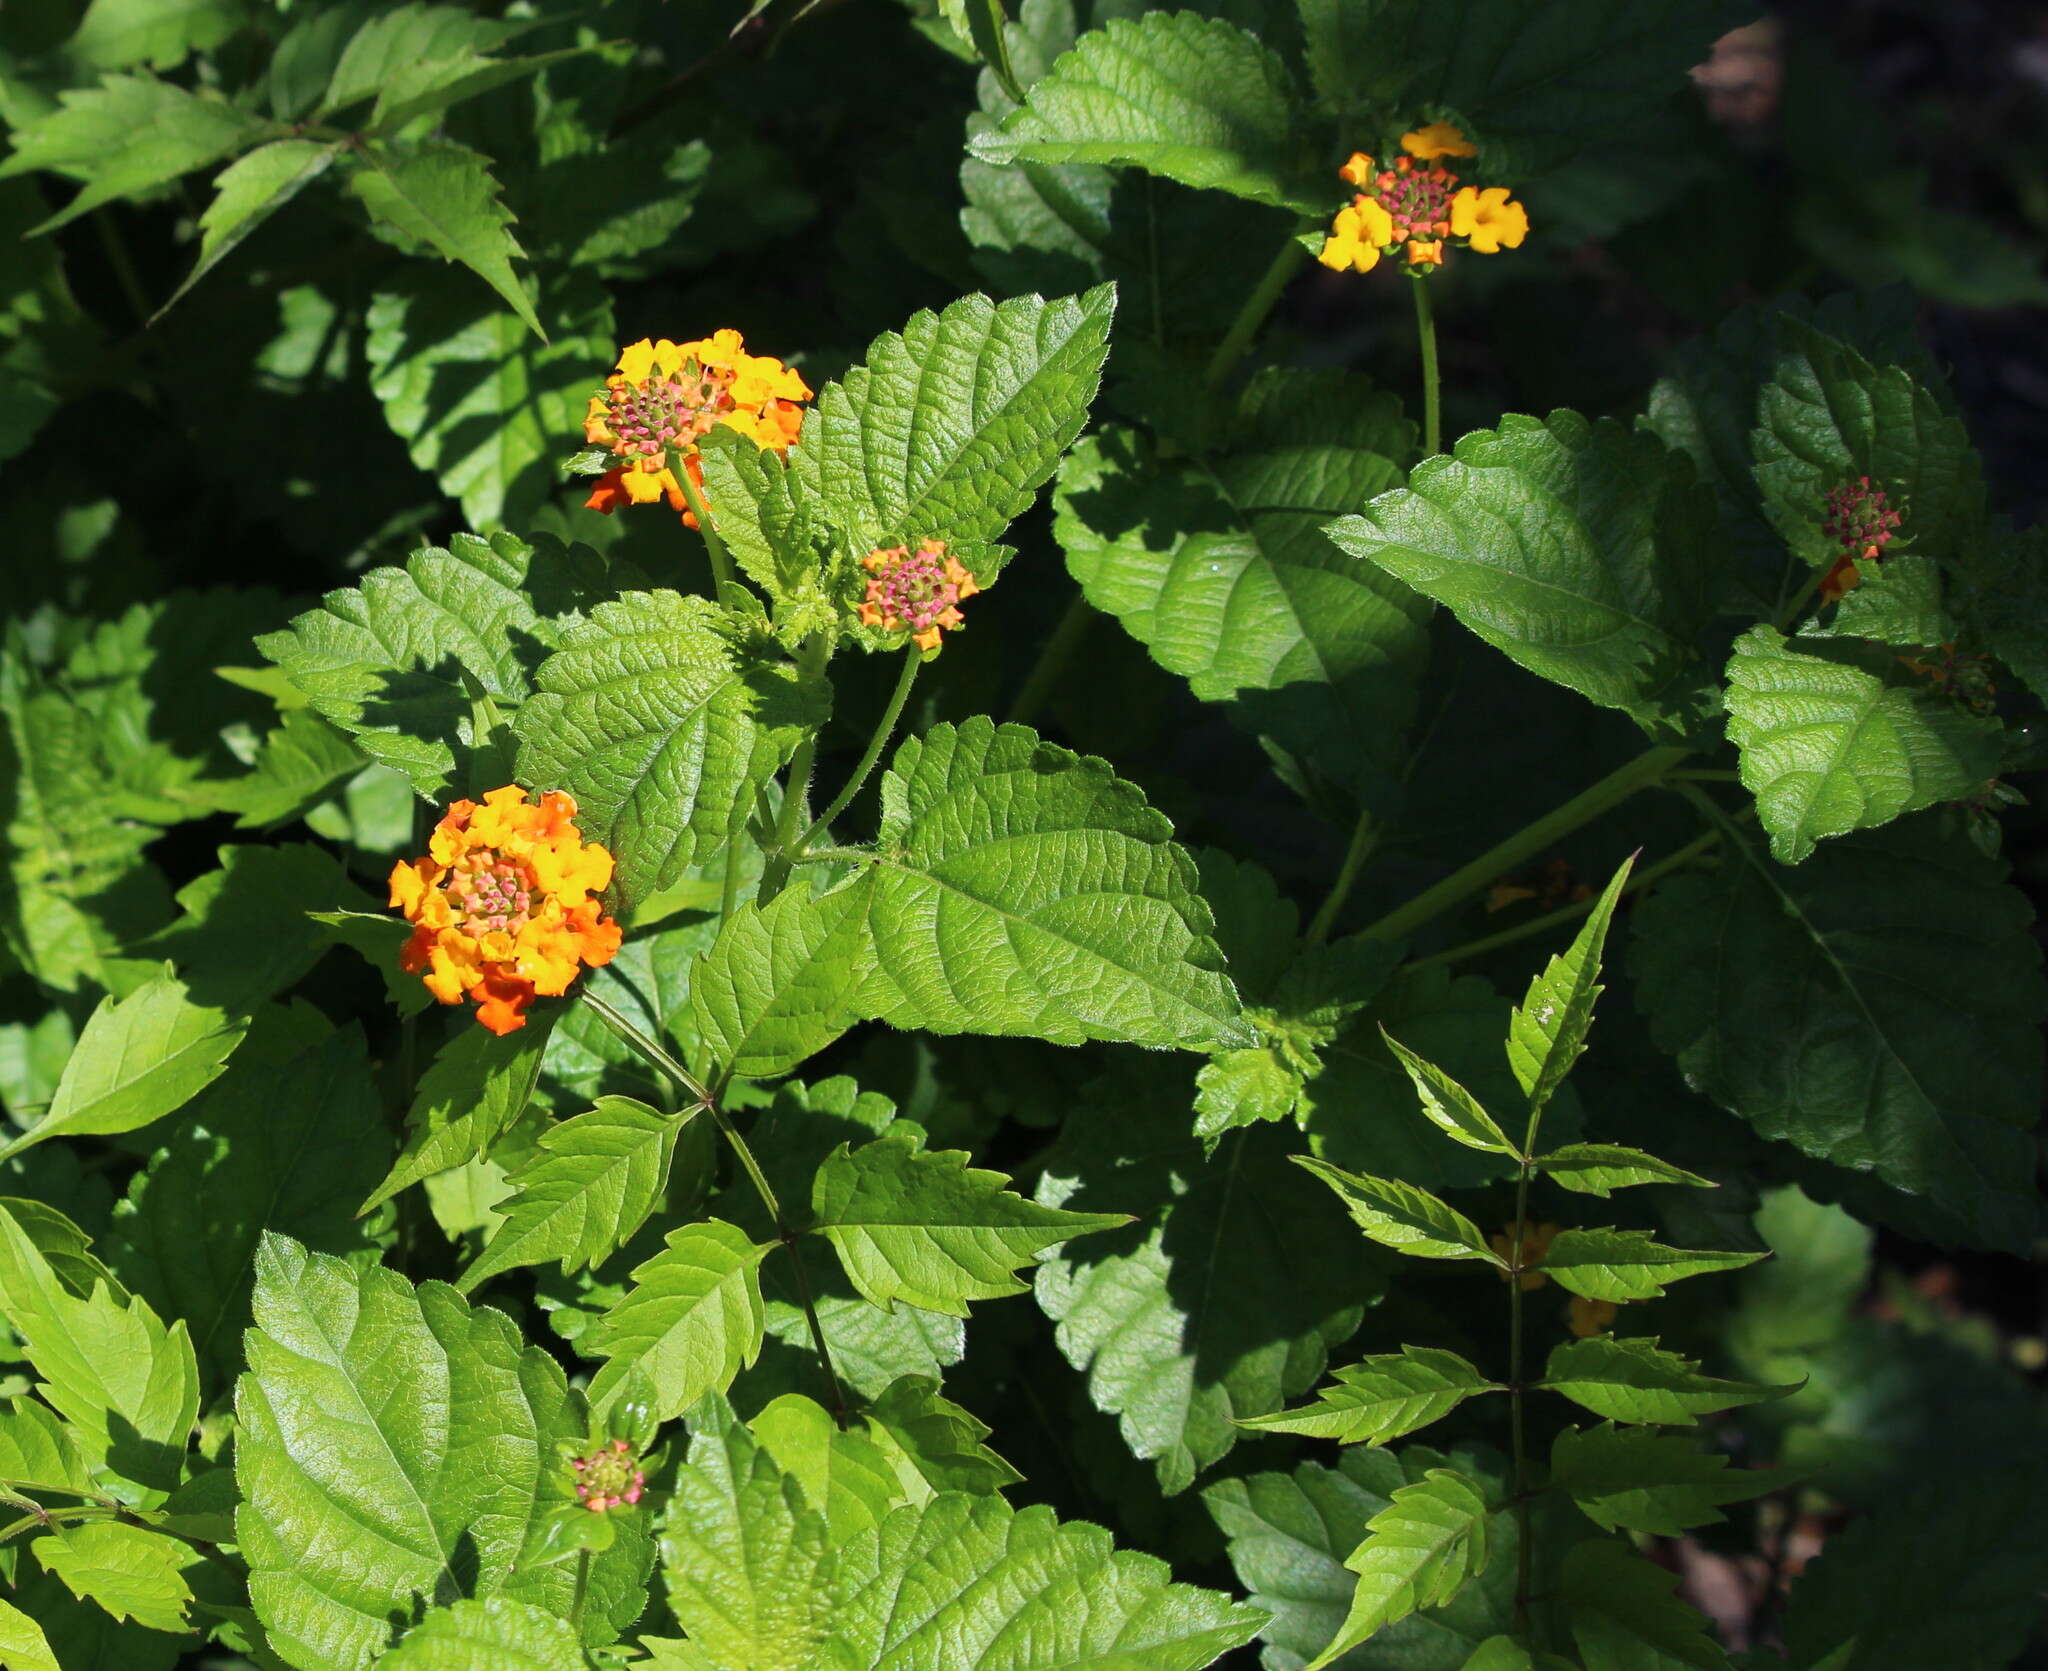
1052 660
714 547
648 1051
796 785
119 260
1425 333
885 727
1704 774
1363 835
1524 1551
1256 306
1797 607
1646 769
729 883
582 1590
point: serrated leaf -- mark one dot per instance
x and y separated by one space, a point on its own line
1017 888
23 1646
443 195
1383 1397
242 934
1401 1216
39 1453
1192 98
379 938
1623 1265
1662 1484
842 1473
662 729
115 34
1836 736
690 1323
1448 1106
1623 1610
297 764
496 1634
1547 1032
130 1571
137 1061
473 1091
934 1444
1584 551
595 1181
1632 1381
1601 1168
1802 1000
779 985
405 37
396 1448
1418 1552
923 1226
247 193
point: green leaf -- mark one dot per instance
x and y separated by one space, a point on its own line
247 193
243 935
1802 1000
663 729
1220 569
1504 1653
131 1571
1192 98
1400 1216
934 1444
124 136
1601 1168
476 1087
1418 1552
23 1646
1838 736
1021 889
596 1180
1622 1610
843 1474
296 766
1449 1107
1632 1381
922 1226
405 38
1662 1484
128 1386
386 660
137 1061
690 1323
115 34
380 938
1584 551
496 1634
1626 1264
395 1449
1547 1032
779 985
1382 1397
950 429
443 195
39 1453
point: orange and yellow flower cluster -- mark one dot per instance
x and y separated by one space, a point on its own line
501 907
1415 205
915 591
666 396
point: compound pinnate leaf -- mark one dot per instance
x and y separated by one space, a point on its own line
1624 1614
1836 736
596 1179
1192 98
1449 1107
1547 1031
1584 551
131 1571
923 1226
690 1323
1383 1397
1601 1168
662 729
1401 1216
1632 1381
779 984
1662 1484
248 192
494 1634
387 46
1803 1000
949 429
1418 1552
1626 1264
1017 888
398 1450
442 194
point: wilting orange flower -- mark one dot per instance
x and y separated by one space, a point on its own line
1536 1240
501 906
1586 1317
665 396
1416 204
915 591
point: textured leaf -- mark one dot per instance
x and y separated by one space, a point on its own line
242 935
1383 1397
131 1571
922 1226
1018 888
39 1453
949 429
385 661
1448 1106
935 1440
1626 1264
1836 736
470 1096
496 1634
1547 1032
1662 1484
1632 1381
662 729
691 1322
115 34
1418 1552
1623 1611
843 1474
248 192
1504 1653
442 194
1601 1168
1809 1001
595 1181
1402 1217
396 1451
23 1646
1581 550
1192 98
779 985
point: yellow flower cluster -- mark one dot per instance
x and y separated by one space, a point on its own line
501 906
1417 204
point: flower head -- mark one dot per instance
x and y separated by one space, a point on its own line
1416 204
1536 1240
915 591
666 396
1439 139
1491 219
609 1477
1860 520
501 906
1586 1317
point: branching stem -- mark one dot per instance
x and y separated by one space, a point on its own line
796 786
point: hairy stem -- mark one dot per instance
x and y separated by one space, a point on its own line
1363 834
885 727
714 547
1052 661
1257 305
796 785
1425 334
